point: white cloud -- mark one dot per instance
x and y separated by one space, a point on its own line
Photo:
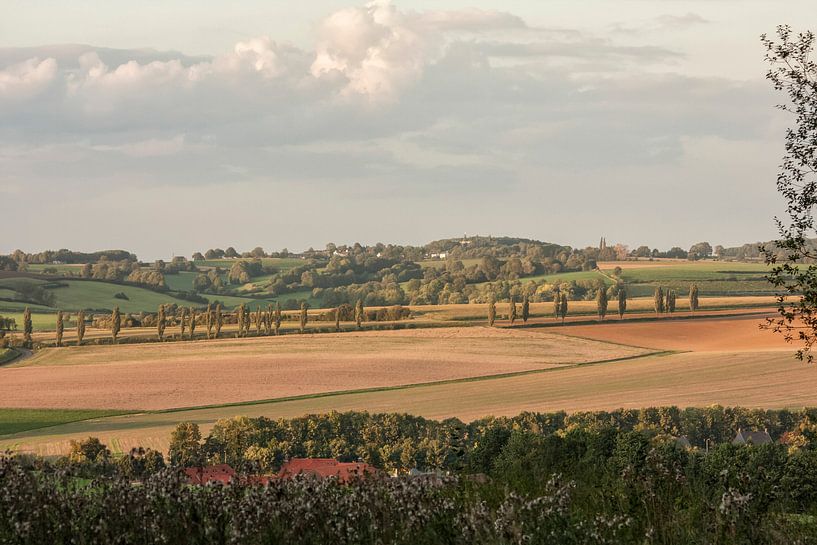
434 108
27 78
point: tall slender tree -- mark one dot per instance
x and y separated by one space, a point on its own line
116 323
563 307
161 322
658 300
671 295
337 319
218 320
208 320
240 319
192 322
557 305
512 310
182 321
601 302
278 318
28 329
60 327
80 327
491 310
268 317
259 320
303 318
359 312
693 297
525 309
622 301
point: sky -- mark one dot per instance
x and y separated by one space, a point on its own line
168 127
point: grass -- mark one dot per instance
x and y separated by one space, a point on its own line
7 354
21 420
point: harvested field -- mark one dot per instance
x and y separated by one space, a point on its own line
707 334
766 379
171 375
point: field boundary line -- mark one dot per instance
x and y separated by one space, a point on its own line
560 367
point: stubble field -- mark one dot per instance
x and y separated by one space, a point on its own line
475 372
173 375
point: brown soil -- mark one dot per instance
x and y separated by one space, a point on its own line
709 334
159 376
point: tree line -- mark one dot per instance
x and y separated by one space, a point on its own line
209 321
663 302
584 478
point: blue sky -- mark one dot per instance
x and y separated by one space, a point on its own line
169 127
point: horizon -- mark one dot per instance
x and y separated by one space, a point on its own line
387 121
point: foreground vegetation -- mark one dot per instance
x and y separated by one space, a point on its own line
604 477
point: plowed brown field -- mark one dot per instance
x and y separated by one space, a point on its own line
172 375
708 334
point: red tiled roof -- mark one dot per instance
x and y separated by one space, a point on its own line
326 467
202 475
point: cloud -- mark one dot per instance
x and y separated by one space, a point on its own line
662 23
27 78
473 119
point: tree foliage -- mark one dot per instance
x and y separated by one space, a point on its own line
622 301
793 72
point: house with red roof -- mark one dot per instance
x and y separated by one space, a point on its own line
326 467
221 473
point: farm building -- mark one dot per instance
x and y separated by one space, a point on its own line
326 467
221 473
752 438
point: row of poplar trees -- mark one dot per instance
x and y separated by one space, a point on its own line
264 322
663 302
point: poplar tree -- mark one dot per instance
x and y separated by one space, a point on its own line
218 320
525 309
557 305
512 310
208 321
601 302
337 319
303 317
359 312
671 301
563 307
116 323
192 322
60 327
658 300
28 329
80 327
693 297
182 321
161 322
268 320
622 301
491 311
277 318
240 319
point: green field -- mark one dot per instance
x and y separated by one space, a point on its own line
712 278
7 354
20 420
